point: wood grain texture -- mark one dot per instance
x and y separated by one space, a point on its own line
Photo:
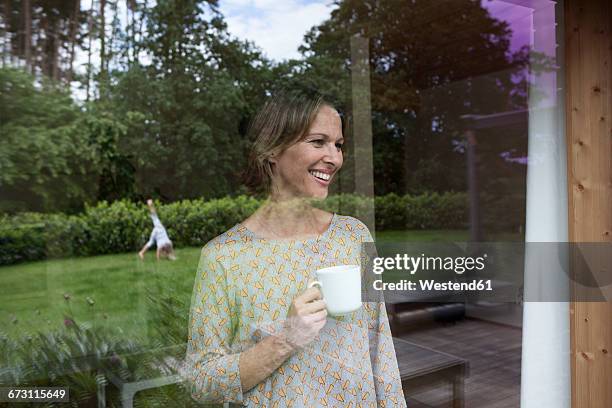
494 353
588 51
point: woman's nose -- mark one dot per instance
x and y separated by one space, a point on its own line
333 156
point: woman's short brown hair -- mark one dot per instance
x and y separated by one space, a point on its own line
282 121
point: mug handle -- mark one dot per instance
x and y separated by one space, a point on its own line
315 283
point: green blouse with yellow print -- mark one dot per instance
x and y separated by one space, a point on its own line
242 293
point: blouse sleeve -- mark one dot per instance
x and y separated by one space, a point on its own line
213 369
387 380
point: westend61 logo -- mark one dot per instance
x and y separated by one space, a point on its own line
412 264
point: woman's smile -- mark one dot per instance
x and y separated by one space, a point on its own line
321 176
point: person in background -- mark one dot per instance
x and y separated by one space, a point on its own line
258 335
159 237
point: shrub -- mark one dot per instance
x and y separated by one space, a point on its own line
22 238
124 226
114 228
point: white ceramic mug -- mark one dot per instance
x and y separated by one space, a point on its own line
341 288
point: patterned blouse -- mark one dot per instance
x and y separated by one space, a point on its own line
242 293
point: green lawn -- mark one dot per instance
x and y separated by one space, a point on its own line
422 236
32 294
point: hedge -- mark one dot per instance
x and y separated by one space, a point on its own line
125 226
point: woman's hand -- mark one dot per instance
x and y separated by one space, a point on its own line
307 316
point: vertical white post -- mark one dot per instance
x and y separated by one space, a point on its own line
546 376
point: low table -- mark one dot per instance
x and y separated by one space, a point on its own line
420 367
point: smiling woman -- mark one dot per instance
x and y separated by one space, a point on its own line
259 335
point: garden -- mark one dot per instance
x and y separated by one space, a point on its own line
105 104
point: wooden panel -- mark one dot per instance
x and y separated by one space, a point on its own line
588 49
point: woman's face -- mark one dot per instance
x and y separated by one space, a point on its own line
307 168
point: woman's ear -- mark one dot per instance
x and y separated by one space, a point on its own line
272 158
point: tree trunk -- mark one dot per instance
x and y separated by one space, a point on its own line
27 43
6 52
102 38
103 62
114 27
140 24
74 24
44 51
90 22
54 35
127 32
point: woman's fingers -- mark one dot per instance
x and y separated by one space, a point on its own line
307 327
319 316
313 307
309 295
306 319
307 316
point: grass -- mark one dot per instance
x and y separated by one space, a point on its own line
422 236
32 294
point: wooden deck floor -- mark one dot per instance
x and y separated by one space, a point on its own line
494 354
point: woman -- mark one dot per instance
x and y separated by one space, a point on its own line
257 335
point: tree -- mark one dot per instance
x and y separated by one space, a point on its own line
47 160
74 26
172 127
186 111
90 33
42 36
27 43
431 63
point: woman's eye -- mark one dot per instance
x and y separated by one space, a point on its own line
339 146
318 142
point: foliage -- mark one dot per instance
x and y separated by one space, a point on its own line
424 211
169 97
424 76
173 127
53 155
73 357
45 156
82 357
124 226
186 111
113 228
115 175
